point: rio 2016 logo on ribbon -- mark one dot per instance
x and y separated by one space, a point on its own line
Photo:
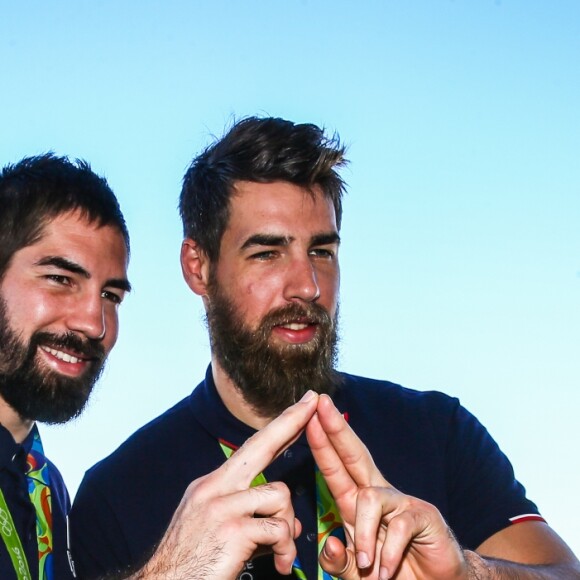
5 524
22 566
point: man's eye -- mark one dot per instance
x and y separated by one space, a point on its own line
112 297
322 253
59 279
266 255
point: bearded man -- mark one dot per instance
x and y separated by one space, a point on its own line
59 299
262 211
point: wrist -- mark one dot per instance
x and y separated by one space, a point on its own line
477 567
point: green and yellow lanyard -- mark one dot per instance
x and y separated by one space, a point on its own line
38 480
328 517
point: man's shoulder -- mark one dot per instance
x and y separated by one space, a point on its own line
375 408
158 440
367 391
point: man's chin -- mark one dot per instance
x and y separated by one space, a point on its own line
60 416
57 410
292 350
49 397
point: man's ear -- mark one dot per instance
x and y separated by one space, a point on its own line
195 266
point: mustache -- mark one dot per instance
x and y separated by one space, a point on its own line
88 348
309 312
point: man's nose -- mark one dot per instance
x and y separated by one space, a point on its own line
302 281
87 316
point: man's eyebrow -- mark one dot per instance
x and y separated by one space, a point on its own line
266 240
70 266
64 264
119 283
325 239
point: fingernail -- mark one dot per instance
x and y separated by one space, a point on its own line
308 396
383 573
362 560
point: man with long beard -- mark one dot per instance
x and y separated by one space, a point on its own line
262 211
64 250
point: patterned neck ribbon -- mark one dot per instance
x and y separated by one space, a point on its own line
39 491
329 520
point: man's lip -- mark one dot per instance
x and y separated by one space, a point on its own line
64 356
297 323
296 332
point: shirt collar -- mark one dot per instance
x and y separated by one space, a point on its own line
9 448
213 415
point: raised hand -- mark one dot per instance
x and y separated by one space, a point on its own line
214 531
389 534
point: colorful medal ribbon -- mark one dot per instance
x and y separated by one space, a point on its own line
39 491
12 541
329 520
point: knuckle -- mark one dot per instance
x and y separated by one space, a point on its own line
402 524
230 528
276 488
217 504
275 527
281 489
416 515
370 495
200 489
405 503
421 509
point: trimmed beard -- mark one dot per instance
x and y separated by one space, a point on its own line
272 377
36 392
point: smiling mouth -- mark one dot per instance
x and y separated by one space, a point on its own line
296 325
59 354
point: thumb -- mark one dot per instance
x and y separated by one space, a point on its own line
338 560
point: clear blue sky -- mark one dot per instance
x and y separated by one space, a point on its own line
461 237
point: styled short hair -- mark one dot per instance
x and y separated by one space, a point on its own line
261 150
37 189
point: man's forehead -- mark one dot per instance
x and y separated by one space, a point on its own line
76 223
279 202
72 235
274 189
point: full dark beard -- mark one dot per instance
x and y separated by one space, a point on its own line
271 377
39 393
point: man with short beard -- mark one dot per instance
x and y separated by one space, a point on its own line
64 249
262 212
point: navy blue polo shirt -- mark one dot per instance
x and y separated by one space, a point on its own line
15 489
424 443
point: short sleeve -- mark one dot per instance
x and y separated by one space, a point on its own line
484 495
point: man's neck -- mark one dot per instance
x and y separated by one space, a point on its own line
234 400
19 428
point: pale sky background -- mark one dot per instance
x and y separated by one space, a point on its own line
461 237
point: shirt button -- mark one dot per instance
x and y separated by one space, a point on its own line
311 537
288 454
300 489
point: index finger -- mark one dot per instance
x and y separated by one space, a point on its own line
352 452
263 447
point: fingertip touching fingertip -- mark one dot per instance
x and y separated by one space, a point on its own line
308 396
